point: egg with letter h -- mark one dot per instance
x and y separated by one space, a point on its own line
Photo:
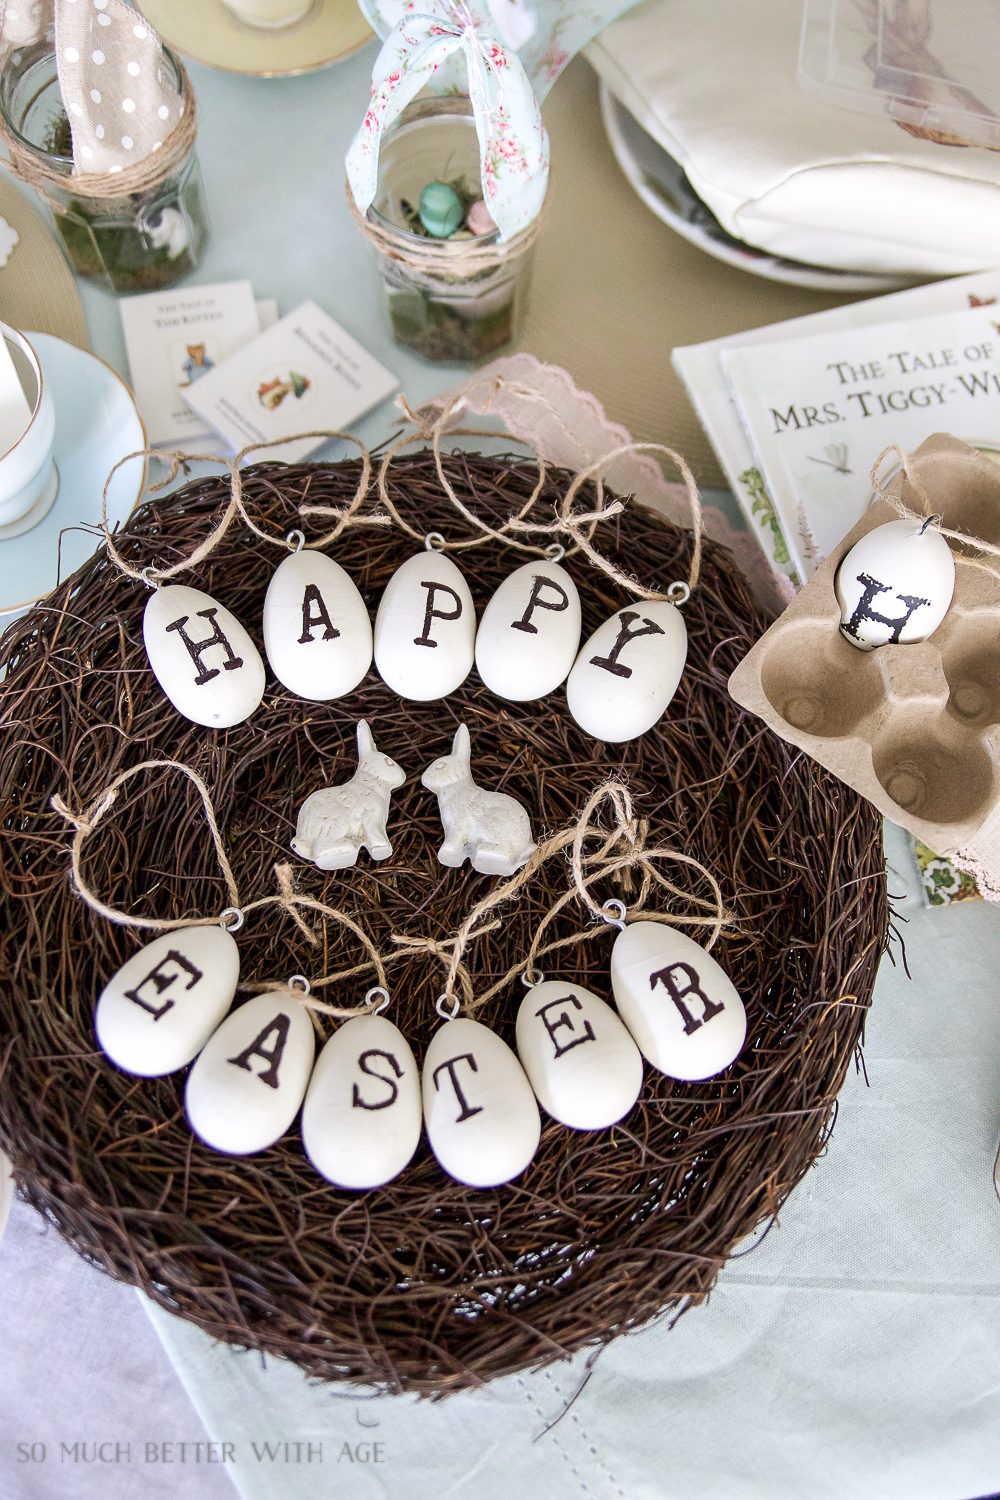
895 586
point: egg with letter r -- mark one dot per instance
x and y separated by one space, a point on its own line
895 586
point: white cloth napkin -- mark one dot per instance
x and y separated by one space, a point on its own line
716 86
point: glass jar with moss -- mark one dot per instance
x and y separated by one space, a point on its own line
454 293
139 239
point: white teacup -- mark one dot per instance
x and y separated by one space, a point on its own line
27 473
269 15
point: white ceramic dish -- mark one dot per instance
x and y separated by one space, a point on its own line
661 184
209 32
96 425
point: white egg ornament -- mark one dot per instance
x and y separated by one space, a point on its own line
529 635
628 671
895 586
579 1057
425 629
202 657
246 1087
680 1006
362 1115
481 1116
155 1015
317 633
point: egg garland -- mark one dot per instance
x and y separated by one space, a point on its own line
895 585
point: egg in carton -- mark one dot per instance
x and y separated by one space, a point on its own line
915 728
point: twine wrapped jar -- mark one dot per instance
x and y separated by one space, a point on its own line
460 299
136 230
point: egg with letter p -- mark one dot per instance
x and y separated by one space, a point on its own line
628 671
530 632
425 628
482 1119
246 1087
679 1004
896 584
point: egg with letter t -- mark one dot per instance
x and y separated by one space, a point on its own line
481 1116
895 586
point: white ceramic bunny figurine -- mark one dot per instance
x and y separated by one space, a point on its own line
335 821
489 828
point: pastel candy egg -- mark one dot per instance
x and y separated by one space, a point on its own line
202 657
895 586
478 218
155 1015
680 1006
481 1116
579 1057
317 633
425 629
440 210
530 632
246 1087
361 1119
628 671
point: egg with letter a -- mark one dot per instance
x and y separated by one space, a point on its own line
425 629
362 1115
202 657
481 1116
246 1087
628 671
530 632
679 1004
155 1015
895 586
317 633
579 1057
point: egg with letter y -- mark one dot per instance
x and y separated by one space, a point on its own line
628 671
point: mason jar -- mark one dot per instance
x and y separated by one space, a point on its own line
130 242
460 299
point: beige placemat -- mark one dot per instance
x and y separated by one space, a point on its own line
615 289
37 289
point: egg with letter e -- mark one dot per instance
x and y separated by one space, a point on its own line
362 1115
679 1004
202 657
895 586
246 1087
628 671
317 633
155 1015
530 632
481 1116
579 1057
425 628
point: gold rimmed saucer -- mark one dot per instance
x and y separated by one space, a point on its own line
209 32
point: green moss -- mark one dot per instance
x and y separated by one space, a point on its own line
437 331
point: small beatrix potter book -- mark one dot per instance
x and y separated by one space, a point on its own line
304 374
173 339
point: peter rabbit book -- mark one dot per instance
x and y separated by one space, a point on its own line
700 368
173 339
304 374
819 411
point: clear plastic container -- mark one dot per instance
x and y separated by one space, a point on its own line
460 299
933 66
134 242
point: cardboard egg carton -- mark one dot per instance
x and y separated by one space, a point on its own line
915 729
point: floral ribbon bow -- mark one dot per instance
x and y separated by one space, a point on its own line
513 144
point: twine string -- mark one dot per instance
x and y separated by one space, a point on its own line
933 523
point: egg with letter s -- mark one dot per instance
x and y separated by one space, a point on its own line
246 1087
202 657
530 632
580 1059
158 1011
317 633
362 1115
628 671
896 584
425 628
481 1116
679 1004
